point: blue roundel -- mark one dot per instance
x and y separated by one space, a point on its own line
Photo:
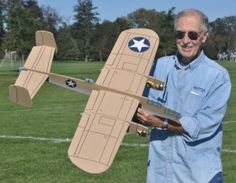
71 83
139 44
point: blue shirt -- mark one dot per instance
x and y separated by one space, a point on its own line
199 91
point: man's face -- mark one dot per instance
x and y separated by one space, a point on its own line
186 46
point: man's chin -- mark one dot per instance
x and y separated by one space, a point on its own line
187 57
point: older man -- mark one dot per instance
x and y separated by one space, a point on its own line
198 88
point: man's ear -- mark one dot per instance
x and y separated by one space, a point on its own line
205 36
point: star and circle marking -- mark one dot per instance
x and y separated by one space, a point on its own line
71 83
139 44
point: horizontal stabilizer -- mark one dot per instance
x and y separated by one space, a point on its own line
20 95
40 59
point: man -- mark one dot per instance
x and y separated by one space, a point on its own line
198 88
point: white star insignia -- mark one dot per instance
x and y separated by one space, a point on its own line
139 44
71 83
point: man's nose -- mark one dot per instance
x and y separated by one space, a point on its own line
186 39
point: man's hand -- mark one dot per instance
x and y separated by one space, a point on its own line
149 120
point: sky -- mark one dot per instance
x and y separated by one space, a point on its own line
112 9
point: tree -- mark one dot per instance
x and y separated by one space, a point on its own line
33 9
83 28
20 28
121 24
161 22
70 49
24 18
3 11
106 35
222 37
166 32
51 20
102 39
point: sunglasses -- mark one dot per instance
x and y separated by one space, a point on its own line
191 34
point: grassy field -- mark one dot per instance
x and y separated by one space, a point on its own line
55 114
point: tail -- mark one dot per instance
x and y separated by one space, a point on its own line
40 59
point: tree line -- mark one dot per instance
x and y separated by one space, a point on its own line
87 38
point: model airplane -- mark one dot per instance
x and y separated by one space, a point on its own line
114 98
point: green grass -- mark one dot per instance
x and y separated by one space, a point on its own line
56 113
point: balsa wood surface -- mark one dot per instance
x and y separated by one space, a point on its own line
108 114
40 58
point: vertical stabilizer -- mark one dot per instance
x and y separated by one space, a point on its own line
45 38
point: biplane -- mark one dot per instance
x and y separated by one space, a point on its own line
114 97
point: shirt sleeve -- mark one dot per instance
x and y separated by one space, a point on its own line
208 119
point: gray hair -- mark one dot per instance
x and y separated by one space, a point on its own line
186 12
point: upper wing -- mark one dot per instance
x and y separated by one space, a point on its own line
101 130
130 61
40 59
108 114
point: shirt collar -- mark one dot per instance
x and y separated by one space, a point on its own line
192 64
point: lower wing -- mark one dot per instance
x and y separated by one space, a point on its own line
101 129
